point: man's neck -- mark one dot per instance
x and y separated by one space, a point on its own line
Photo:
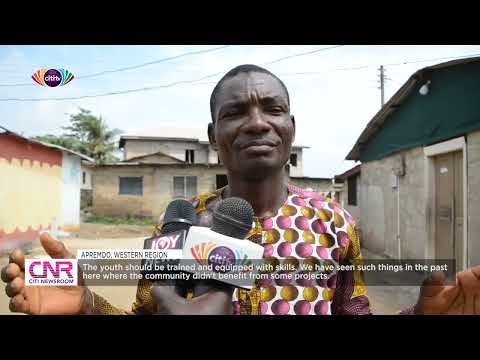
265 195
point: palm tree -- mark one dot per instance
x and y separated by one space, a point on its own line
93 132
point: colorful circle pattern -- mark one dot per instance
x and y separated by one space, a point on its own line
306 230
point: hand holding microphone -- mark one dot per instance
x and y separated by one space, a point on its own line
177 220
232 220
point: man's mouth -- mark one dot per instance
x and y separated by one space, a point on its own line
259 144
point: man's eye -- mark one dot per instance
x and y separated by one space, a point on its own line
231 113
275 109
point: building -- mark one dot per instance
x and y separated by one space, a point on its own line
86 189
39 188
348 192
162 164
419 190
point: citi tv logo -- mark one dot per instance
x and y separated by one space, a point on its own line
51 272
52 77
218 256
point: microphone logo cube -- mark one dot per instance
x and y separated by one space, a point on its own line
220 257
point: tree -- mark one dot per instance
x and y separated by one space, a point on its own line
89 135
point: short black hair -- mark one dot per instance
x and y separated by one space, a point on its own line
247 68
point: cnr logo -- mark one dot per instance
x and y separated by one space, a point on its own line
40 269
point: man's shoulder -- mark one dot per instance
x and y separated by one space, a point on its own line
205 204
325 208
206 200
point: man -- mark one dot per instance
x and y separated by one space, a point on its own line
253 132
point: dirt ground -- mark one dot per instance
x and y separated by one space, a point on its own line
101 231
383 299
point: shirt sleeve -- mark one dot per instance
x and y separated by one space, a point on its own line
350 297
143 304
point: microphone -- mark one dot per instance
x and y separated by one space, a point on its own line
178 218
220 246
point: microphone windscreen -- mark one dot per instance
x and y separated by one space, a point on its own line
179 215
233 217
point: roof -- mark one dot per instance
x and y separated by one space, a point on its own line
155 153
143 164
352 172
310 178
397 100
173 133
58 147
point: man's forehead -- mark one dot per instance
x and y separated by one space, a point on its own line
242 85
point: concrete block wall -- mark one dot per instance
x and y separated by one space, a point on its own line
157 188
378 206
473 195
134 148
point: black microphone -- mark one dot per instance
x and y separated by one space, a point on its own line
233 218
178 218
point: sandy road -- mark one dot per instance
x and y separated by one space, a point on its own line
383 299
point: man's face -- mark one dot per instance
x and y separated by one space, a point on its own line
253 129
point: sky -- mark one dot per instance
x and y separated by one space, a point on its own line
333 88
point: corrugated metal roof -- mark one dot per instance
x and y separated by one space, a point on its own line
397 100
4 130
351 172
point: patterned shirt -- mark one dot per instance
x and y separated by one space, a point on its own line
308 229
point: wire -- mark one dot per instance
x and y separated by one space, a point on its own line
370 66
197 81
301 54
157 86
190 53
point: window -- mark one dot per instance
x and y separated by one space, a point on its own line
184 186
131 186
293 159
352 190
222 181
190 156
84 177
218 160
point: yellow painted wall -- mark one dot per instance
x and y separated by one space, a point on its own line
30 194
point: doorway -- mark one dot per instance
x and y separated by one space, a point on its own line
446 201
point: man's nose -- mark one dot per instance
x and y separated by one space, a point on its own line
256 121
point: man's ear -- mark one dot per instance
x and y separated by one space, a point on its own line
293 123
211 136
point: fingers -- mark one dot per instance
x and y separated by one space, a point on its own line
433 285
469 281
19 304
54 248
10 272
15 287
476 271
166 295
17 257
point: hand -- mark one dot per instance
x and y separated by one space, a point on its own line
43 300
215 302
463 298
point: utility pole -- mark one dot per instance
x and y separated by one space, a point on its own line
382 84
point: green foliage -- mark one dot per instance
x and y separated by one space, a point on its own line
130 220
87 134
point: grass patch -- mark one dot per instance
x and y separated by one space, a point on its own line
130 220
